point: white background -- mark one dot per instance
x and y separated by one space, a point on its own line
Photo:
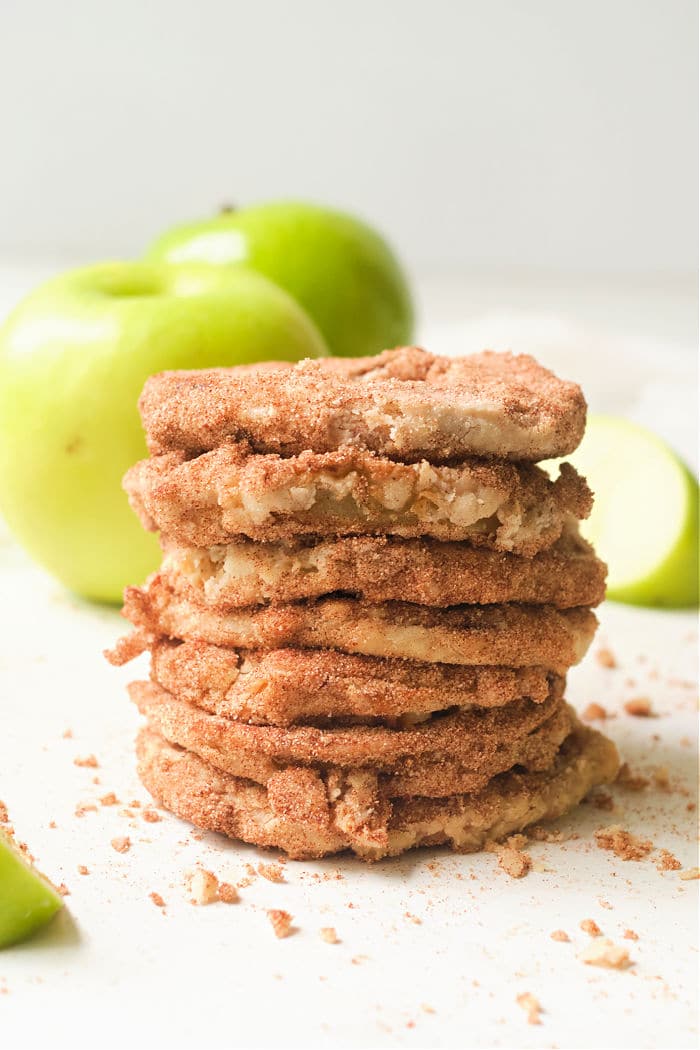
489 134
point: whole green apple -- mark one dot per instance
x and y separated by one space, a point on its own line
74 356
342 272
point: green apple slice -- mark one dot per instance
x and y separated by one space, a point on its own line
27 899
644 522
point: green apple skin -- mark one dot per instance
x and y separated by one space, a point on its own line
27 900
657 486
342 272
74 357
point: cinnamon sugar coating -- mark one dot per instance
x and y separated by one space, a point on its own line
286 686
507 635
404 403
311 818
231 491
449 754
385 568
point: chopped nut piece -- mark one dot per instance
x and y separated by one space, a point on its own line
110 799
560 935
329 935
228 893
595 712
623 843
514 862
591 927
202 885
271 872
606 658
281 922
602 952
641 707
531 1006
89 762
122 844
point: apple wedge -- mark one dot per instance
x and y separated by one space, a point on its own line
27 899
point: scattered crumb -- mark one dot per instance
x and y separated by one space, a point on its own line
630 935
640 707
85 807
157 899
540 834
667 862
4 815
67 734
602 952
89 762
514 862
531 1006
690 873
601 800
82 870
632 781
560 935
329 935
281 922
122 844
53 824
661 778
63 890
427 1009
595 712
413 918
245 882
110 799
606 658
228 893
623 843
150 816
271 872
591 927
202 885
605 904
135 804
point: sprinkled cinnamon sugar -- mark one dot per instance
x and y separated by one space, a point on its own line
228 893
667 862
623 843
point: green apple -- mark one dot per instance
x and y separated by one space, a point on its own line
645 516
27 899
342 272
73 359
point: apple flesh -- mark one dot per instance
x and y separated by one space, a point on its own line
73 359
340 270
644 522
27 899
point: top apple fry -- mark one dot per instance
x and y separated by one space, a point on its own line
406 403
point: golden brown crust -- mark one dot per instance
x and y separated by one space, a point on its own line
404 403
507 635
285 686
449 754
383 568
230 492
311 818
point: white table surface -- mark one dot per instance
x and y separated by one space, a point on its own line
115 970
